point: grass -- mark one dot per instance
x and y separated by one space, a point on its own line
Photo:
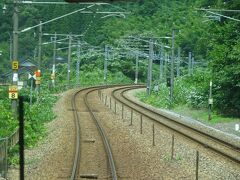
202 115
159 101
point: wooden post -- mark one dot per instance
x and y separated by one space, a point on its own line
122 110
106 100
172 147
197 164
153 129
131 117
110 103
141 124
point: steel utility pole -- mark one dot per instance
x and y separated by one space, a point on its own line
54 59
105 64
178 62
69 58
150 61
39 56
166 62
136 69
192 64
189 63
78 64
172 69
15 55
10 47
161 63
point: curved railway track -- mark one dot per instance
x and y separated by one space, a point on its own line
76 164
217 145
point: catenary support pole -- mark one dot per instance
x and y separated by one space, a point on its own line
136 68
178 61
172 69
166 62
15 54
69 59
161 63
10 48
78 64
192 65
54 59
189 63
39 56
150 61
105 64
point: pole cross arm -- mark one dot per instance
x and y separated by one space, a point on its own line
50 34
54 19
227 17
59 3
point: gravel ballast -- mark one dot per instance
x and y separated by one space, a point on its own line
51 157
136 157
211 166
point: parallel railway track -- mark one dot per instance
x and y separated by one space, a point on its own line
217 145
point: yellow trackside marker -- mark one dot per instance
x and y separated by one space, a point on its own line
15 65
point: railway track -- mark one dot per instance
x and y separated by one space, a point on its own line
83 104
81 98
217 145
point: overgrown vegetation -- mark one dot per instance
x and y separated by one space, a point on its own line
216 44
35 116
191 95
211 41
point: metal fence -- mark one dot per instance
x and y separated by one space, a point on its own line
5 144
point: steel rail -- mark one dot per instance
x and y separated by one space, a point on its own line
76 162
197 132
78 138
77 155
104 138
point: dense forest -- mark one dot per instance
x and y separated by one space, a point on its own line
213 40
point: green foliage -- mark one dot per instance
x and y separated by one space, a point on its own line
212 42
190 90
36 116
7 122
225 65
